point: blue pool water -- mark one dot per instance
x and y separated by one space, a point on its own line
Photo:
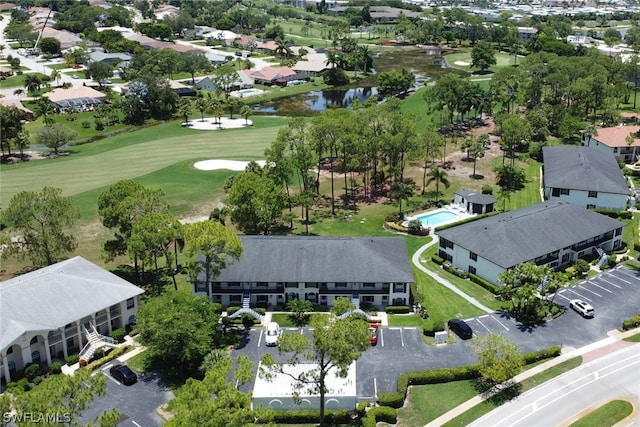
434 219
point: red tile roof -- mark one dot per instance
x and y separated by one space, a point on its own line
617 136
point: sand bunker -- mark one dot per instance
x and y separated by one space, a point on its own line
234 165
212 123
462 63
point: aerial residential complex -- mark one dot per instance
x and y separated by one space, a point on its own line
374 271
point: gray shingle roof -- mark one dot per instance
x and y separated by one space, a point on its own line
56 295
511 238
475 197
321 259
583 168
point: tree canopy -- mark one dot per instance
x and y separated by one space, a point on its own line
43 221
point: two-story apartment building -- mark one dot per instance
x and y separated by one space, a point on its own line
44 313
375 271
553 233
622 141
585 177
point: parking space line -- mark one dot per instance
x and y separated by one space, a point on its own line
621 279
483 316
401 337
483 325
260 338
612 284
560 295
581 296
109 376
381 338
626 273
604 289
589 290
499 322
136 423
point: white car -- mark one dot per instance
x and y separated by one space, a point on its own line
272 334
583 308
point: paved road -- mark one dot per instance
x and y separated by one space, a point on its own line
566 398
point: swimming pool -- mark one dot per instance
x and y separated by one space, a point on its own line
433 219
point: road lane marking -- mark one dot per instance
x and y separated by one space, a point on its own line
581 296
611 283
589 290
604 289
499 322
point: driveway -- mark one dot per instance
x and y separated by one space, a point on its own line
615 295
136 403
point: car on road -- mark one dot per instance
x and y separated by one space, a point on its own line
373 334
123 374
460 328
583 308
75 76
272 335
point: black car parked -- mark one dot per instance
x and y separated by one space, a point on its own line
461 328
123 374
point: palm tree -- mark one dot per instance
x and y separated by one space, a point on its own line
185 110
439 176
33 83
217 109
202 105
245 112
18 92
45 108
56 75
400 191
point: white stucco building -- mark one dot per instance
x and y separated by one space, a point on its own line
43 314
622 141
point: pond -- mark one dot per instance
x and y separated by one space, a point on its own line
316 101
424 63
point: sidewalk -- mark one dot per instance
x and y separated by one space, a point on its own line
137 349
590 352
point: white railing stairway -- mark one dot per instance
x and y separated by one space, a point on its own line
95 341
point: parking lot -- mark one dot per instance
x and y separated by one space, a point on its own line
136 403
614 294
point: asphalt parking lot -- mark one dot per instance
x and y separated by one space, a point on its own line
136 403
614 294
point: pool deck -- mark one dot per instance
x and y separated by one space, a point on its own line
460 212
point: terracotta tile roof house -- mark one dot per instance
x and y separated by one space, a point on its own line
553 233
269 46
27 114
275 269
275 75
244 40
614 140
73 297
585 177
78 97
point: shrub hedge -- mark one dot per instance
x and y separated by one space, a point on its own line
118 334
487 285
614 214
383 414
311 416
397 309
631 323
396 227
436 259
464 221
72 358
451 269
56 367
116 352
430 330
444 375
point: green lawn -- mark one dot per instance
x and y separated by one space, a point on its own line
464 55
405 320
17 81
606 415
489 405
286 320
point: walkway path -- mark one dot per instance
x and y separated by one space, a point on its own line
416 261
597 349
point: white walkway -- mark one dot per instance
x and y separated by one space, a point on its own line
416 261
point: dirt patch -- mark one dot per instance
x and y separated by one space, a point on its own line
30 155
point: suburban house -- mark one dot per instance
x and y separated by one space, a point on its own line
100 55
275 75
585 177
225 37
26 113
313 64
80 98
553 233
276 392
622 141
207 84
375 271
6 72
473 202
76 300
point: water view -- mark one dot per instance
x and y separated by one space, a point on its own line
317 100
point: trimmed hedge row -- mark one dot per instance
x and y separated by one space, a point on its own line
311 416
444 375
397 309
464 221
451 269
396 227
436 259
485 284
116 352
233 308
379 414
631 323
614 214
430 331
